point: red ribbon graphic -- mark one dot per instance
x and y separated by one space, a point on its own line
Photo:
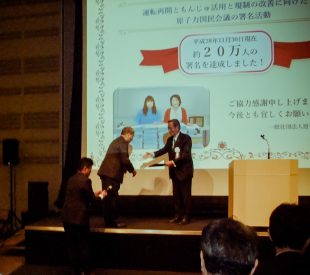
284 53
167 58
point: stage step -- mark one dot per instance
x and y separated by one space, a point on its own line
146 244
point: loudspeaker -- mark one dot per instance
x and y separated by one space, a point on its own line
38 197
10 148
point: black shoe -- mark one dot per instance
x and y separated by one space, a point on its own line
174 220
116 225
184 221
110 225
121 225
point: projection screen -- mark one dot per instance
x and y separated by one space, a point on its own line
240 69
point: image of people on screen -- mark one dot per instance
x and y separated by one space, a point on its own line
144 110
149 113
175 111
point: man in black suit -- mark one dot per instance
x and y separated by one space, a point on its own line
178 147
289 229
228 247
75 216
111 172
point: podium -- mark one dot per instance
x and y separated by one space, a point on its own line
257 187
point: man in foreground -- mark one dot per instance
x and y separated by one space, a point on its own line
228 247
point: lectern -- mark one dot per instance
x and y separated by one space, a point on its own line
256 187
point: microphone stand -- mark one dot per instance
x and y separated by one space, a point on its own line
10 226
268 153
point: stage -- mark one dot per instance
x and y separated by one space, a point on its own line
147 243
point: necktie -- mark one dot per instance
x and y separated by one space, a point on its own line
173 143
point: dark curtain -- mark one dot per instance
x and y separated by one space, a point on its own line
72 91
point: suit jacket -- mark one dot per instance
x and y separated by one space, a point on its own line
286 263
116 161
184 163
78 199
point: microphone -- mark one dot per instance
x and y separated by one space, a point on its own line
107 190
268 153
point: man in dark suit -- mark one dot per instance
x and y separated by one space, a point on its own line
178 147
228 247
75 216
289 230
111 172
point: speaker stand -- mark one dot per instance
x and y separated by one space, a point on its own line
13 223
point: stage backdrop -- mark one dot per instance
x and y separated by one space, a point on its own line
241 70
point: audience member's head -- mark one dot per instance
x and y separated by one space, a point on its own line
228 247
289 226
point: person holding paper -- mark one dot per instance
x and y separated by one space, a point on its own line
180 163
